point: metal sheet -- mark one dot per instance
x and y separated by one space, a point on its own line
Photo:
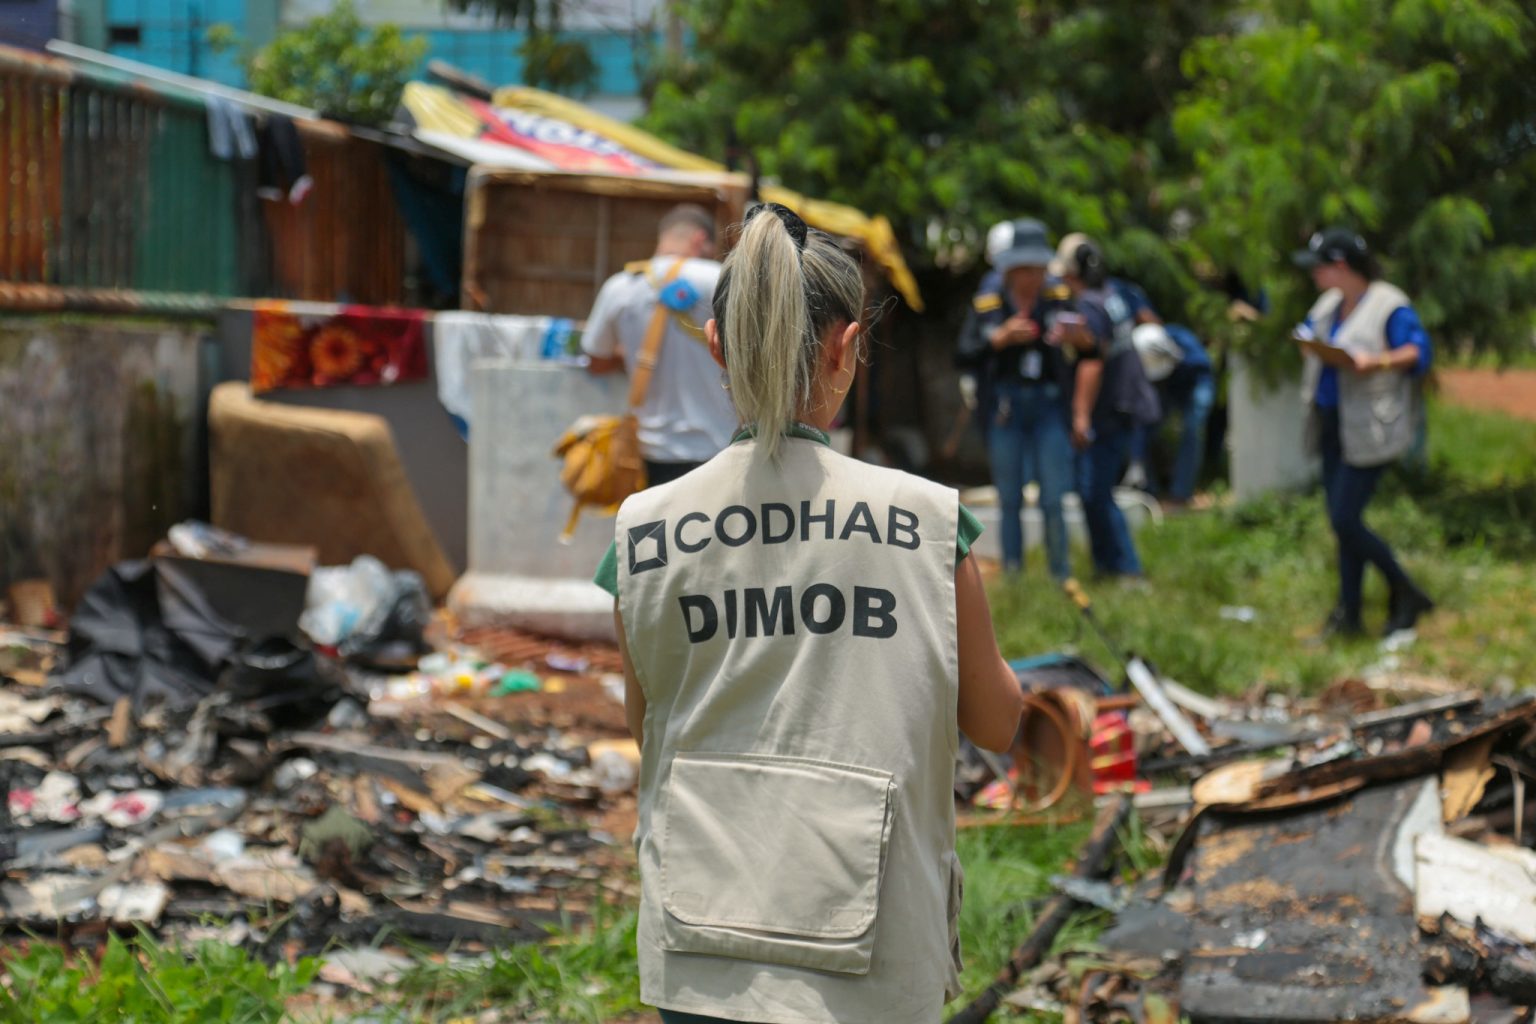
1300 917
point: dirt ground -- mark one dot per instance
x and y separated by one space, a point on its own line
1512 392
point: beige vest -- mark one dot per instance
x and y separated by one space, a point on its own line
793 628
1378 412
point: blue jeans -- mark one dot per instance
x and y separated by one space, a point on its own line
1348 490
1098 467
1193 402
1027 440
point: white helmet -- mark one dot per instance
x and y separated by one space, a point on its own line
999 240
1160 354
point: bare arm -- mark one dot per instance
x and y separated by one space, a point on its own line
634 697
604 364
990 698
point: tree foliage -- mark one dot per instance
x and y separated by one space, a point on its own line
946 115
1196 141
1414 122
551 60
339 67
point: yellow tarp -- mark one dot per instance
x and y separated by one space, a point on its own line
437 109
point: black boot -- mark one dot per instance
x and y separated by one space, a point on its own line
1343 623
1407 603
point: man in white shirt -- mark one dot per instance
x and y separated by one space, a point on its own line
687 415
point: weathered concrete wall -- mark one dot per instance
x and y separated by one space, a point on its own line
101 443
519 571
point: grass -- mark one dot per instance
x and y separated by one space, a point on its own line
582 976
142 981
1464 526
1007 881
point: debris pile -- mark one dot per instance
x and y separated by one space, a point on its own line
1329 859
176 771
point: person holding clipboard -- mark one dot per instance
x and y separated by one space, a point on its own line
1365 355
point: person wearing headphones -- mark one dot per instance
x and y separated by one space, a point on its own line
1112 397
1366 353
804 637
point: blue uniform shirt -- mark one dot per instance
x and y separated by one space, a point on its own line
1403 328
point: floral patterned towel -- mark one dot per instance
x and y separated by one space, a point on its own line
293 348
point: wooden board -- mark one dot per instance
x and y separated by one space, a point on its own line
543 244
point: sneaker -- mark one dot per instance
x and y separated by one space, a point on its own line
1406 607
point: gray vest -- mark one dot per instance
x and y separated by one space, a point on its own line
1379 413
792 625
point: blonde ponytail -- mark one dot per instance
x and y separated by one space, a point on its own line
775 299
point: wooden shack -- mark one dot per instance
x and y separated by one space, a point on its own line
543 242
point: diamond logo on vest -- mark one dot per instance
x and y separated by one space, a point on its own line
651 540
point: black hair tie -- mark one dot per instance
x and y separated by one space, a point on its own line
789 218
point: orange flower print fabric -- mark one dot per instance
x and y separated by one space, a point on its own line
294 348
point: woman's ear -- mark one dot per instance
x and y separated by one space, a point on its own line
712 332
845 349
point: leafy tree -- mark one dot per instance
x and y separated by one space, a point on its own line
337 66
1197 141
949 115
1414 122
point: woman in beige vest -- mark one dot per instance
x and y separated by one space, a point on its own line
1366 353
804 638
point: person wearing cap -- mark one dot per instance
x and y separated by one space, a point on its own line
975 394
1366 354
1111 397
1019 340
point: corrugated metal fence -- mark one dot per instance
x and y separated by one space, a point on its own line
107 185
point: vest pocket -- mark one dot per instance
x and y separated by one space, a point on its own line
774 859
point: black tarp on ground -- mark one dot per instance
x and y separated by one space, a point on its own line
144 631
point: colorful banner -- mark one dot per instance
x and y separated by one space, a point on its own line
294 348
567 146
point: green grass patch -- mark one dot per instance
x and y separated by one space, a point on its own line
1008 881
142 981
1464 525
582 976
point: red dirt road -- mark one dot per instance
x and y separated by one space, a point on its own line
1512 392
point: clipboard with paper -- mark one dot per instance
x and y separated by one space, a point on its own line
1326 352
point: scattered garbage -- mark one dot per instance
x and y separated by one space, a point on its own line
1334 857
368 612
169 769
1238 613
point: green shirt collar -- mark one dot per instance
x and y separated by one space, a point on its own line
803 431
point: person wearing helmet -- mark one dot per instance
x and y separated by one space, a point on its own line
1112 397
1180 369
1019 341
1366 354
